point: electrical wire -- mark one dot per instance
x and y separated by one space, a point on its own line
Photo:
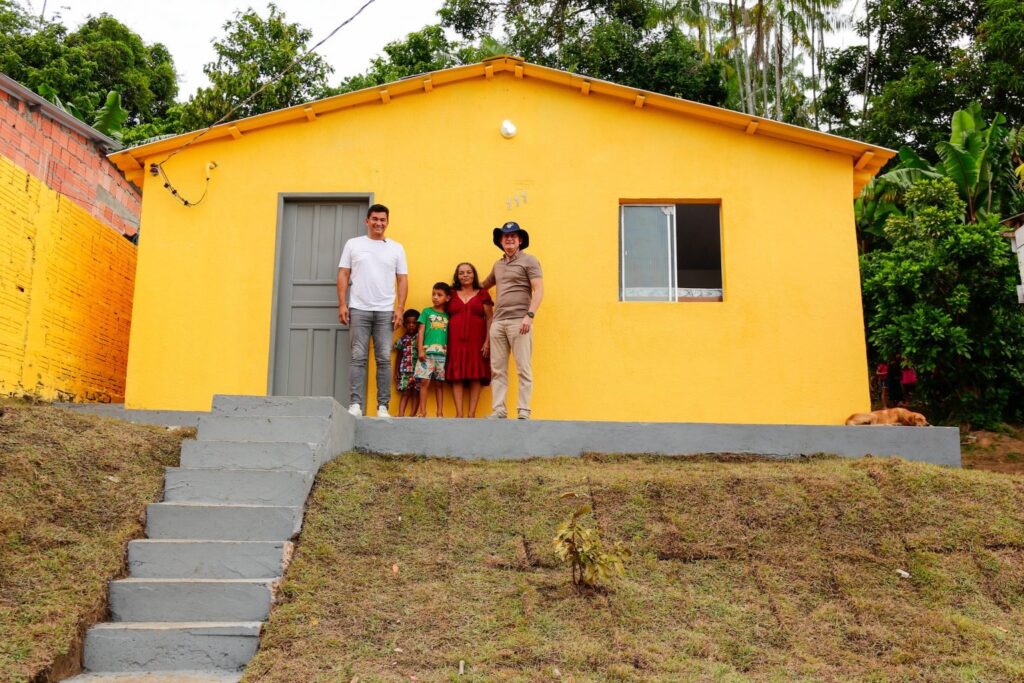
160 164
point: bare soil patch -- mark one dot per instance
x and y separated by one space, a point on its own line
1001 451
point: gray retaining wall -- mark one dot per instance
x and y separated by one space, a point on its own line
514 439
504 439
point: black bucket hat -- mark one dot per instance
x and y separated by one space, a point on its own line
509 228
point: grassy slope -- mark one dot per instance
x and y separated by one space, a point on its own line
73 490
742 571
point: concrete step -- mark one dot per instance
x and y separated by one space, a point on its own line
150 647
310 406
272 428
158 677
170 559
156 600
222 522
250 455
255 487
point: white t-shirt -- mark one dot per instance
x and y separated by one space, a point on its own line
374 265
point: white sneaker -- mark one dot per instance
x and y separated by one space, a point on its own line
355 411
382 411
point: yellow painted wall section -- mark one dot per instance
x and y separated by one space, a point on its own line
66 283
786 345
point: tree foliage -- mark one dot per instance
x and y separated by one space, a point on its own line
985 162
428 49
922 61
633 42
764 57
251 58
943 298
82 67
110 118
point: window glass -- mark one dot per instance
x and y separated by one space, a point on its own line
646 267
670 252
698 248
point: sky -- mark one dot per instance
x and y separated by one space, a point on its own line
189 27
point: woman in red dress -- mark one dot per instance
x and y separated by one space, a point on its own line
469 350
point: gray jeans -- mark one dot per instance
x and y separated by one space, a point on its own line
363 324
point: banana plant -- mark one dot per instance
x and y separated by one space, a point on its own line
50 93
967 157
109 119
979 158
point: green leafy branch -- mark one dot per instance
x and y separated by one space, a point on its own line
592 564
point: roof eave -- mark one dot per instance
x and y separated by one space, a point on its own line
868 159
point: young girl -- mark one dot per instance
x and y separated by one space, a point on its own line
405 383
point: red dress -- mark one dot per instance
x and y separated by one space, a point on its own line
467 331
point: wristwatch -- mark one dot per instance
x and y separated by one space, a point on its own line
530 314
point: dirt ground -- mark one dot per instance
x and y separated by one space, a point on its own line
1001 451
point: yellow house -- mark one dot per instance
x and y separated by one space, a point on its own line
700 264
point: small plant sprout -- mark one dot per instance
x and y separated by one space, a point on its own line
592 564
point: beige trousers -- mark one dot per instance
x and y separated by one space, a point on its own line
505 336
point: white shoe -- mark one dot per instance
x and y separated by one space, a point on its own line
382 411
355 411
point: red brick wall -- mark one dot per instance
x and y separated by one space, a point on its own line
69 163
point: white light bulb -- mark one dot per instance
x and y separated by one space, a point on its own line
508 129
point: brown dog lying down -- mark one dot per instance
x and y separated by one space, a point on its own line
890 416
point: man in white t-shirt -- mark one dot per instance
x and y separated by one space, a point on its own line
372 265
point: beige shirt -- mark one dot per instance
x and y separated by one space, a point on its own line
512 278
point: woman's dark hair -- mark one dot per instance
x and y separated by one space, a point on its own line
411 313
456 285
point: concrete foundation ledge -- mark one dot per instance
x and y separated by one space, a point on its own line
157 677
517 439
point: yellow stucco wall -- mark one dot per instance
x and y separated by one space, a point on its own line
66 283
786 345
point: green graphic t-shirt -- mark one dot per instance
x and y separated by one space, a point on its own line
435 332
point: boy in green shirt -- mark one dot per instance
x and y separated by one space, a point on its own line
432 346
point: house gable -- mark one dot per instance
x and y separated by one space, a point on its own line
867 159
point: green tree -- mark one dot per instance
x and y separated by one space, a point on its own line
251 59
142 74
633 42
944 299
984 161
421 51
169 124
80 68
1000 33
922 61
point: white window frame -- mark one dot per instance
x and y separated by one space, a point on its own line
673 292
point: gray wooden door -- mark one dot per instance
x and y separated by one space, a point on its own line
311 348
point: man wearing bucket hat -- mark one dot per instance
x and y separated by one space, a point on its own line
520 284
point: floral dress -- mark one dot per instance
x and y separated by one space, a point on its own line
406 348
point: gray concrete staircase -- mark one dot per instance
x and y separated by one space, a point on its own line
202 583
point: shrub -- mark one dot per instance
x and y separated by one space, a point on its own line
592 565
944 298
